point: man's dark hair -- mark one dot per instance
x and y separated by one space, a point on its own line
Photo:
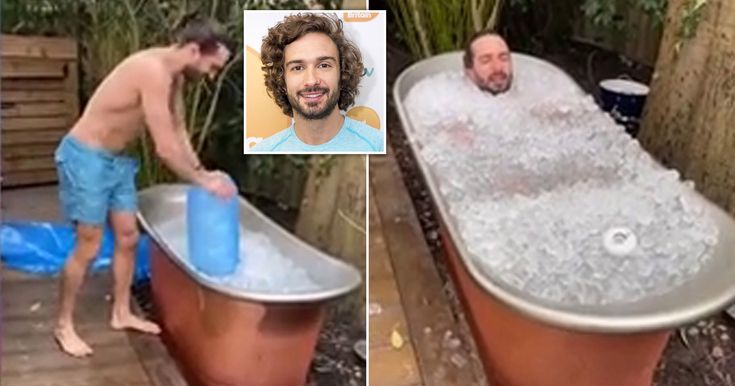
469 56
291 29
206 33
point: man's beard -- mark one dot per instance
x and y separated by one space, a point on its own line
192 74
496 91
322 113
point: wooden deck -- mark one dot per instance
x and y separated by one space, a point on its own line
31 357
406 287
389 365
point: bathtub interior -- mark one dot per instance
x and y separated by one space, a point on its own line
162 206
711 290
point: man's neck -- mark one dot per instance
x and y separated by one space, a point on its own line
318 131
175 59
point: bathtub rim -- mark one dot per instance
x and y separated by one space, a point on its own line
581 318
261 297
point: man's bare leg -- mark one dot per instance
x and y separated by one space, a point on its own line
88 244
126 240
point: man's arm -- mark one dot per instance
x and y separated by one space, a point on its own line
156 91
179 108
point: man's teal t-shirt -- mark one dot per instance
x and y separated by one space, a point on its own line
354 136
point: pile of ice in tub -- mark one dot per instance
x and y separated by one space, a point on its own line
213 242
553 198
261 267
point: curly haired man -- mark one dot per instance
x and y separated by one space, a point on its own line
313 71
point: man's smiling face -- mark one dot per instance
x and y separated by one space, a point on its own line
312 72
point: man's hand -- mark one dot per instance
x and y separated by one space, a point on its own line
219 184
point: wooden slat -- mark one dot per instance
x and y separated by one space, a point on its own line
32 109
28 177
27 293
10 124
33 84
95 336
391 367
34 95
30 356
428 310
29 68
153 356
115 369
396 366
380 267
382 328
12 152
38 203
14 46
111 365
383 291
28 164
71 85
37 137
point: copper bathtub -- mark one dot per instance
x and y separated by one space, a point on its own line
527 342
223 336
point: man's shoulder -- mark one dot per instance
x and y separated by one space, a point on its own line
145 66
370 135
273 142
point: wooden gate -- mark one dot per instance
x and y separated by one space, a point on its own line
39 101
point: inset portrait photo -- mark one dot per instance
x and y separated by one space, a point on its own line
315 82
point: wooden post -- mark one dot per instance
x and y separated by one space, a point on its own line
333 210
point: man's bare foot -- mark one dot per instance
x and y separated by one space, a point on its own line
71 343
130 321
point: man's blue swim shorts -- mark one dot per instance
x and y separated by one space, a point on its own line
94 181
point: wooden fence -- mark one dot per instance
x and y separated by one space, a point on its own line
39 101
638 39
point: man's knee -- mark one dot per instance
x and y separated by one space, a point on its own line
89 240
127 238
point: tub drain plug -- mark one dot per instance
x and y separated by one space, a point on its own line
619 241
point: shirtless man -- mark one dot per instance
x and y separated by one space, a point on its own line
97 182
487 62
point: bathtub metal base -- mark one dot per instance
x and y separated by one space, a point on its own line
518 351
218 340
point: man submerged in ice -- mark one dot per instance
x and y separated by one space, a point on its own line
488 67
488 72
487 90
487 62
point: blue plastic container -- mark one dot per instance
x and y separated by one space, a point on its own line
212 232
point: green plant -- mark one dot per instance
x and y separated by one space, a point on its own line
691 17
39 17
113 30
431 27
606 13
108 31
